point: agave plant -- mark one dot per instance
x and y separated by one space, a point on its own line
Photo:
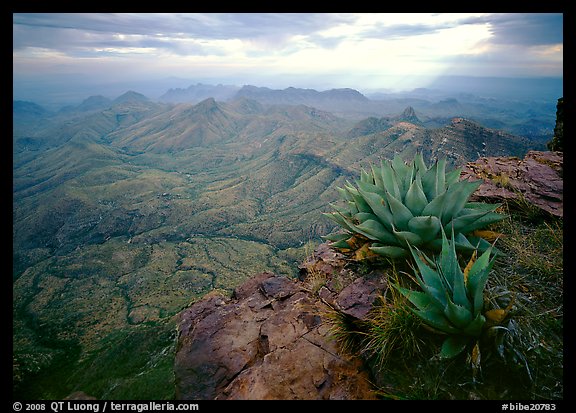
400 204
451 300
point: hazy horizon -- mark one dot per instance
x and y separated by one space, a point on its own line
62 57
55 94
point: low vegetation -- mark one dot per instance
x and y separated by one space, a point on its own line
452 325
403 205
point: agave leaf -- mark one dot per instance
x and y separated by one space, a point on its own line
368 187
350 188
389 179
434 180
453 176
425 226
341 244
419 164
466 218
340 220
474 329
421 300
415 198
439 297
378 206
485 220
463 243
450 268
366 177
429 182
435 318
407 237
482 205
377 176
458 315
453 346
435 207
352 207
445 263
401 168
477 278
364 252
456 198
482 245
403 173
400 213
429 277
361 203
360 231
345 194
475 359
460 241
377 232
390 251
337 236
441 176
342 211
364 216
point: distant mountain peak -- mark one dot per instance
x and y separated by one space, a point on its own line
93 103
408 115
24 106
207 104
130 96
198 92
346 93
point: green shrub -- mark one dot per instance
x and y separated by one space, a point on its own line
402 204
451 300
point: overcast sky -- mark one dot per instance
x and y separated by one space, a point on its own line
362 51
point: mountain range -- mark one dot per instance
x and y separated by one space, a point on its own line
525 116
125 210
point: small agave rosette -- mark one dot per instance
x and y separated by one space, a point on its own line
451 300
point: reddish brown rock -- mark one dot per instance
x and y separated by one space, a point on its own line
538 178
325 261
357 298
269 341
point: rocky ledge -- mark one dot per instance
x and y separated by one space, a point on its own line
538 178
270 340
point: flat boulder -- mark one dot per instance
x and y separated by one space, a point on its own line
538 178
269 341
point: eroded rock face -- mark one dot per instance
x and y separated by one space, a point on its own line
355 299
269 341
538 177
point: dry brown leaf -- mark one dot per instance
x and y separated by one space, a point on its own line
496 316
469 266
489 236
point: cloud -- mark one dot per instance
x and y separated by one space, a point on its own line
526 29
95 30
367 46
530 29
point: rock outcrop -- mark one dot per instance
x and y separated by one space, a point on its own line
538 178
270 340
